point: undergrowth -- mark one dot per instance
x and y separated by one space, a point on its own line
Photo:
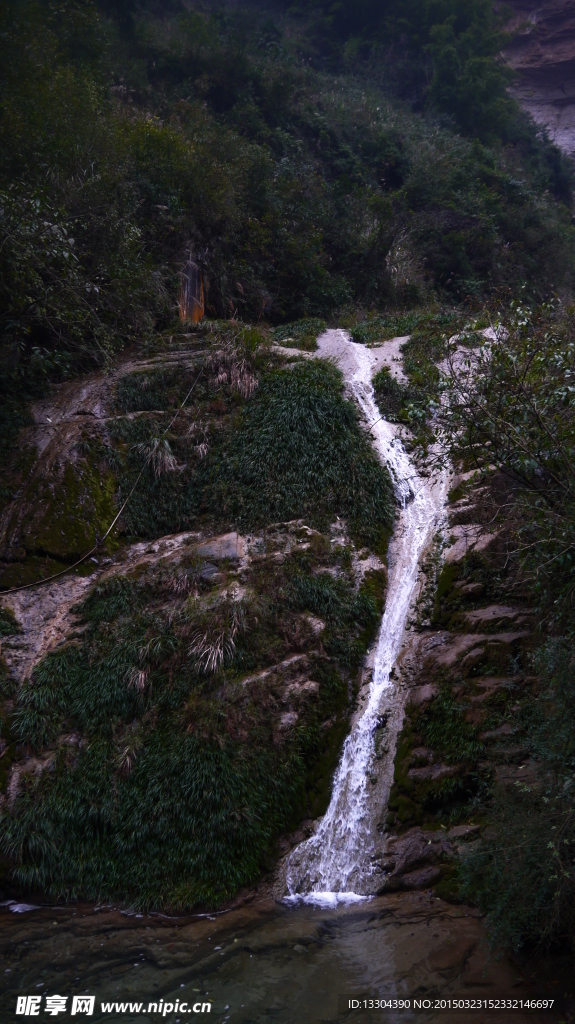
169 770
293 449
523 874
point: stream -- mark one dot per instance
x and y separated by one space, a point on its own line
337 863
301 958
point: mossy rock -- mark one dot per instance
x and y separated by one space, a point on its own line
448 888
320 773
67 516
34 568
445 592
8 622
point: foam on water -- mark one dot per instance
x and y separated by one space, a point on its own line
325 900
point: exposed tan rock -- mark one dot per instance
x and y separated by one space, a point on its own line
462 539
389 354
542 52
45 613
229 545
422 755
469 588
288 719
462 831
494 615
464 648
45 618
503 730
20 769
490 685
511 773
422 694
422 878
307 687
317 625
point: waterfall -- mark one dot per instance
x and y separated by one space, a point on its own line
337 862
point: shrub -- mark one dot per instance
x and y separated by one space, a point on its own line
523 874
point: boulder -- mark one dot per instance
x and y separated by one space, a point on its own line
412 860
228 545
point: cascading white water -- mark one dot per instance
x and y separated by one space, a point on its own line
336 863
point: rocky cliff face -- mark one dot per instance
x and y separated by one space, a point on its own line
542 51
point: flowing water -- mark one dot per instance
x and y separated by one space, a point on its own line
261 963
290 962
337 863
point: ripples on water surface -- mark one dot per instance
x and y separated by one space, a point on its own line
264 962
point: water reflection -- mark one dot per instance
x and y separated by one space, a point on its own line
262 962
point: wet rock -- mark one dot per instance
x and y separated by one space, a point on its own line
421 879
414 858
407 940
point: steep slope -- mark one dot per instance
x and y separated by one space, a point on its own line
542 52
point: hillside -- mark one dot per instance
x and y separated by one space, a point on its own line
173 707
129 142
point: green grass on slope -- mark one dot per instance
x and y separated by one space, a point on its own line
293 449
298 450
167 777
166 785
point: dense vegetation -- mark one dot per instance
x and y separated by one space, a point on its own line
202 710
173 775
130 138
501 407
354 163
292 450
511 407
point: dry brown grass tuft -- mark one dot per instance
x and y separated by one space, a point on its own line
158 455
230 367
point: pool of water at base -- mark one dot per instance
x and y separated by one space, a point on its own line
262 962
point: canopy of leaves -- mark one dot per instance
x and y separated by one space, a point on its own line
446 53
511 405
127 142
